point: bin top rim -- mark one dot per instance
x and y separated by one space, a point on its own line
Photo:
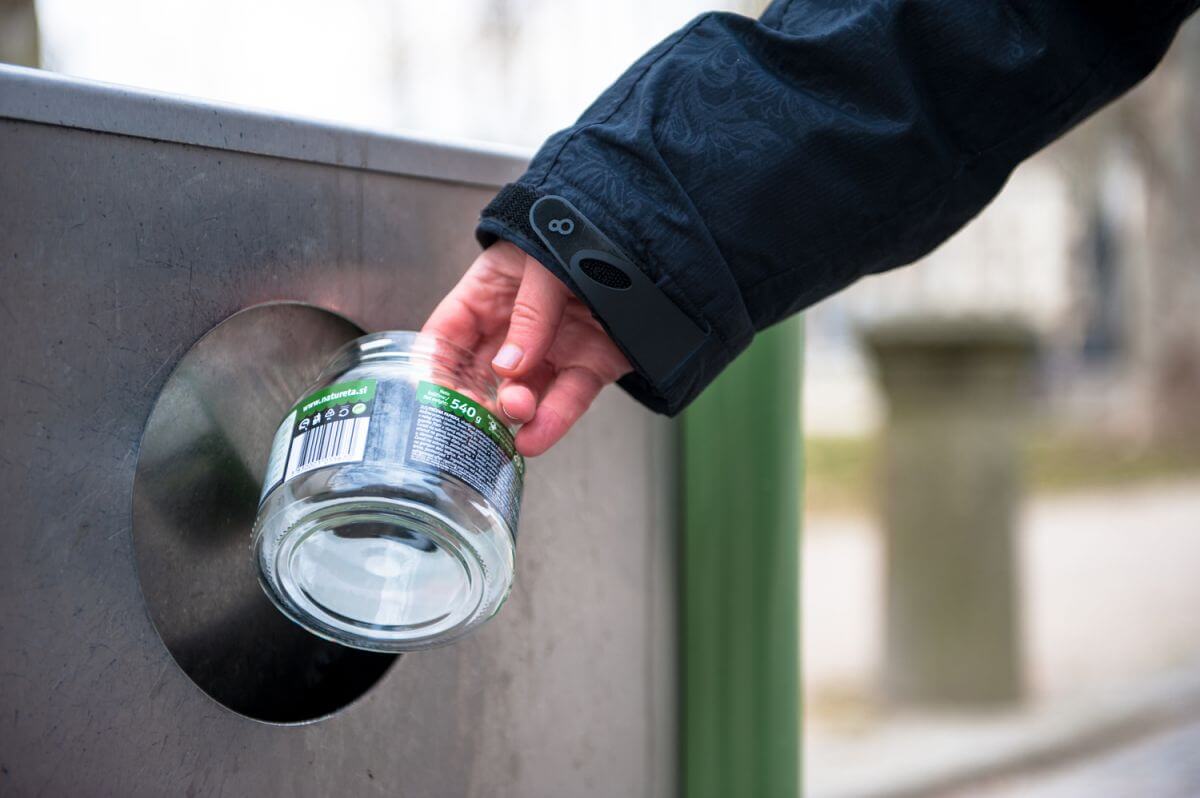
34 95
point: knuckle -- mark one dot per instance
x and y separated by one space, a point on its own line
526 317
581 385
494 270
554 423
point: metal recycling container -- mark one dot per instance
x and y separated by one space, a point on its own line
155 252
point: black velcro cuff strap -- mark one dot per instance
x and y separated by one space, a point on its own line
511 208
658 336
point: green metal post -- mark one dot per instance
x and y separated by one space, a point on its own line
740 574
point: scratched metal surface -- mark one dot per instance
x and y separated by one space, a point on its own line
118 252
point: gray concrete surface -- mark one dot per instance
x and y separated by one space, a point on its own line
1161 765
1112 645
922 755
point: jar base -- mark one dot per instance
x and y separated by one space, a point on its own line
378 574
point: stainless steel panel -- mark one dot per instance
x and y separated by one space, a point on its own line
119 253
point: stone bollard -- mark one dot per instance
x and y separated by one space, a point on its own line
957 393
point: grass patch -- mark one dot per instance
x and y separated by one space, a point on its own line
1059 463
839 471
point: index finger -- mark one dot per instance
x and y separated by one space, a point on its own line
455 320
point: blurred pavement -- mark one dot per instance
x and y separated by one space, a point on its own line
1163 765
1112 648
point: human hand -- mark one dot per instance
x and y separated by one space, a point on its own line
552 355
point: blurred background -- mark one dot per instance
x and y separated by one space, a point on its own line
1001 553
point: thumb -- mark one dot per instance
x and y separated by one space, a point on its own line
536 314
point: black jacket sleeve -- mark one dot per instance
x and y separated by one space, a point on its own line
751 168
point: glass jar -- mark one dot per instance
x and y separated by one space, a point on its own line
389 510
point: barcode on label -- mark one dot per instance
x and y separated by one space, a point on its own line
342 441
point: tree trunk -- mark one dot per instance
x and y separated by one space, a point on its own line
1161 121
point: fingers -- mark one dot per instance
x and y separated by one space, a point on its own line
454 321
481 303
536 314
507 295
518 402
518 398
565 401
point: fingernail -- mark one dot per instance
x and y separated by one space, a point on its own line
507 414
508 357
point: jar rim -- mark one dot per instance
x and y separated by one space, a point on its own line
408 346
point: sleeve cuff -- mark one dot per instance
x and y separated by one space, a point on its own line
507 218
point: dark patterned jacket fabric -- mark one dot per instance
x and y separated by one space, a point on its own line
751 168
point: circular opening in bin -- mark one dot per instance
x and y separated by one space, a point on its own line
195 496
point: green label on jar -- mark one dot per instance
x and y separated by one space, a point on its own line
342 393
472 412
457 435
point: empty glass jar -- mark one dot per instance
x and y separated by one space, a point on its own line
389 509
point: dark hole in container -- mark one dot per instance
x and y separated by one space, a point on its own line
195 498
